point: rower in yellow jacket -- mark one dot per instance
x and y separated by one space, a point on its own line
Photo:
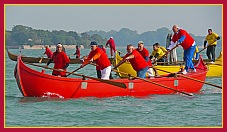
157 53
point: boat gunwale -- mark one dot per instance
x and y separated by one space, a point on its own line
126 80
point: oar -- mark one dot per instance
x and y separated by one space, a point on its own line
40 61
118 84
213 64
191 78
177 62
120 63
166 53
182 62
202 49
71 55
69 73
146 80
121 52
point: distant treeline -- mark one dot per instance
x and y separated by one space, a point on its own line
21 35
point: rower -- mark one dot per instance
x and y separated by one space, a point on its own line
137 61
61 61
100 58
157 53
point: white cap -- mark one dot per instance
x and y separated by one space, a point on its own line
111 37
59 45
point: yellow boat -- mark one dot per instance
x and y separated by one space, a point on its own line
214 70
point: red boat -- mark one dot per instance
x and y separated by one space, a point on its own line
33 83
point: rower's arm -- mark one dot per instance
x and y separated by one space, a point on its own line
49 62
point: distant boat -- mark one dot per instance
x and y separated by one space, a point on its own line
214 70
43 60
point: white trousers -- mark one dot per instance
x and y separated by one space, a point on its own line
150 72
173 55
106 73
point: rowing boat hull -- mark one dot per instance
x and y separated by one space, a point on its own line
33 83
214 70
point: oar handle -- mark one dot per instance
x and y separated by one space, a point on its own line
202 49
121 52
121 62
73 71
42 66
76 70
166 53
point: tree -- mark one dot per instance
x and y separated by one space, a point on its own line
20 34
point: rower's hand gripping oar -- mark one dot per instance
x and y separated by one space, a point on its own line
40 61
69 73
78 68
166 53
118 84
202 49
120 63
208 45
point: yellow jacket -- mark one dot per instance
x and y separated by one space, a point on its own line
159 51
212 38
163 49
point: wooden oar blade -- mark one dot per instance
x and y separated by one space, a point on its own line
118 84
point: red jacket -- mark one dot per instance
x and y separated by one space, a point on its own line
77 53
100 58
112 44
138 62
104 49
60 60
145 53
188 41
48 52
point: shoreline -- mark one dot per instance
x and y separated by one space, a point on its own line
41 46
66 47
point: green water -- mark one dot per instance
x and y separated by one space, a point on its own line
201 110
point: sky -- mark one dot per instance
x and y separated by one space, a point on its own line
195 19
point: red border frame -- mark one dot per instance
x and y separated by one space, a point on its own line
99 2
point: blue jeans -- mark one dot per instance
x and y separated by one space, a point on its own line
188 55
142 73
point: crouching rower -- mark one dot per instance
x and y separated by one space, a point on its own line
137 61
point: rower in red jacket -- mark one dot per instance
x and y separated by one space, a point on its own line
112 46
48 52
181 37
77 53
100 58
61 61
137 61
145 53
